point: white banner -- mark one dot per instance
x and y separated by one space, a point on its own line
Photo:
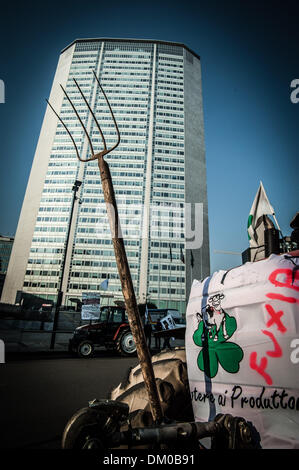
90 306
242 346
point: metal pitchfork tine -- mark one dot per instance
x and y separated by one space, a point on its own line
119 250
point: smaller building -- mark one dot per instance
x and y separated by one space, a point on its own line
5 251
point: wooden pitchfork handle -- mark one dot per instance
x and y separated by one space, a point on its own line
128 292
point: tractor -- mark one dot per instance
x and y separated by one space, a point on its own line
111 330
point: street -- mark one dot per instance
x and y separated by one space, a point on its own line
40 392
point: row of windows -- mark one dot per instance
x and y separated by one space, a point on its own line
124 67
102 241
170 101
172 152
54 208
61 147
117 191
167 135
56 199
113 50
82 79
174 108
62 158
52 219
162 62
91 287
81 60
90 275
106 131
81 54
166 245
91 241
170 71
169 185
166 279
167 291
101 253
170 160
31 272
174 77
120 111
101 201
170 176
167 267
169 168
100 275
172 95
127 99
57 164
112 89
48 240
75 74
160 113
167 143
120 182
74 132
117 165
157 234
116 105
50 229
132 62
166 129
171 121
103 219
169 88
43 261
60 172
166 255
112 264
163 223
166 58
130 73
102 229
46 250
42 285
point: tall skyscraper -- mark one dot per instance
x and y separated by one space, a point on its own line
154 88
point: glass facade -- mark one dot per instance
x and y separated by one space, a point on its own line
144 82
5 251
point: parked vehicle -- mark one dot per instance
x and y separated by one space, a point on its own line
111 330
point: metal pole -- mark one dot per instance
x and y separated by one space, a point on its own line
75 188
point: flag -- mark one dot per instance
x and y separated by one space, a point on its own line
170 252
192 260
146 314
182 256
104 284
260 207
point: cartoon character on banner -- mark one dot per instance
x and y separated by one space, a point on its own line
215 327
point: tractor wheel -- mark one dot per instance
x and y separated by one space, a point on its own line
125 344
82 431
85 349
170 370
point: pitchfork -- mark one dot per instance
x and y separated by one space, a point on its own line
119 250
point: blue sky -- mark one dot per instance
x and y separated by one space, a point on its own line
249 56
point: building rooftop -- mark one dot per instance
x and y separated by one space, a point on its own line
168 43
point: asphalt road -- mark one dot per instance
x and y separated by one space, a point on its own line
39 393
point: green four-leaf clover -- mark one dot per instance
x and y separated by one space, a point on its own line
217 349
